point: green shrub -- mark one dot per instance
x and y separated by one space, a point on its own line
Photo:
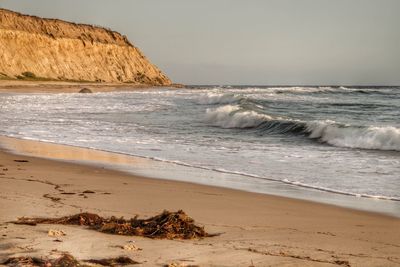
29 74
4 76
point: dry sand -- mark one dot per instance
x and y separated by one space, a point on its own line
257 229
21 86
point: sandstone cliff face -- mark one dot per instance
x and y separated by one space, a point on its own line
61 50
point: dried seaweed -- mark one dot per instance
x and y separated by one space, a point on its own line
88 192
167 225
24 261
21 160
66 260
114 261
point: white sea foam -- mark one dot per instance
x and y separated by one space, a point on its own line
301 89
120 122
379 138
320 89
232 116
216 98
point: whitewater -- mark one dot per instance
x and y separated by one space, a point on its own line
340 140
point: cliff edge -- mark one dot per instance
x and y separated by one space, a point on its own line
32 47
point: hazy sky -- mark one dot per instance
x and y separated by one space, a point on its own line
250 41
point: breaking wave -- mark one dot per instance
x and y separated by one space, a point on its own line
301 90
379 138
328 132
233 116
217 98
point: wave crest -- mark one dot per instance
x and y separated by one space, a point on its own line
378 138
216 98
301 90
328 132
233 116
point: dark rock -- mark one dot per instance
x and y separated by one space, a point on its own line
85 91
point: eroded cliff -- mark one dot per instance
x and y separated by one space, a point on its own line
60 50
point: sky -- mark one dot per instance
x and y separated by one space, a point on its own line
257 42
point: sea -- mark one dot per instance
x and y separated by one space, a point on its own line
332 144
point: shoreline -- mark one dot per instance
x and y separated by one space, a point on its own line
256 228
20 86
163 170
262 183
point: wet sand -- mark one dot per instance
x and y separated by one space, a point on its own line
256 229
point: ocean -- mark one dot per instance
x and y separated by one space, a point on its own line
331 140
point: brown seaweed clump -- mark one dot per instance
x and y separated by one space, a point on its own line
24 261
167 225
119 261
67 260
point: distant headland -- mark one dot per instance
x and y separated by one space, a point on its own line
34 48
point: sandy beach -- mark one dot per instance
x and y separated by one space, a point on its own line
256 229
18 86
199 134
